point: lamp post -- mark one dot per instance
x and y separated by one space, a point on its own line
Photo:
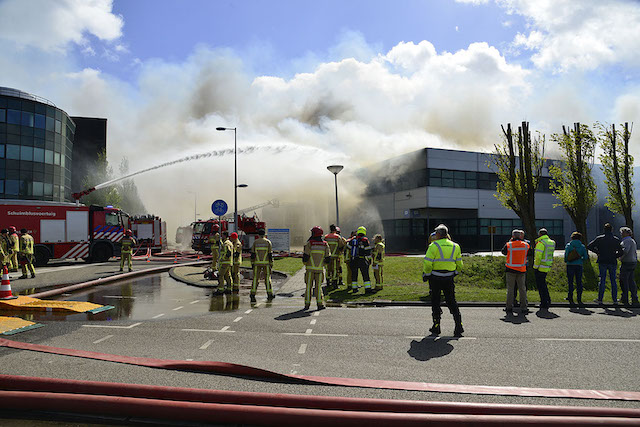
335 169
235 175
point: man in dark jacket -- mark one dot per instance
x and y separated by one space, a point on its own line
607 247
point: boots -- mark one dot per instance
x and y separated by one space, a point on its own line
457 332
435 329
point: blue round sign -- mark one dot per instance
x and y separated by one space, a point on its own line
219 207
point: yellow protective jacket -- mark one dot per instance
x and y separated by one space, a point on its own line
15 242
316 252
443 259
262 251
237 251
26 244
336 244
226 253
543 258
378 253
127 245
214 241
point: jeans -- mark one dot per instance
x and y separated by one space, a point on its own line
611 268
627 282
575 270
541 284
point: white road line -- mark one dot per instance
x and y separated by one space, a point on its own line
588 339
237 319
178 308
248 311
119 297
224 329
209 330
302 349
102 339
305 334
113 327
437 338
206 345
258 304
189 360
158 316
308 331
193 302
313 321
316 313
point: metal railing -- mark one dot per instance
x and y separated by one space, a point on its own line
7 91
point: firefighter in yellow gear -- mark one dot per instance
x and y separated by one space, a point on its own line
5 246
315 255
442 262
377 256
347 259
214 242
237 260
336 246
26 254
15 248
126 249
262 263
225 263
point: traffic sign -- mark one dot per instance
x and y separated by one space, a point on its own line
219 207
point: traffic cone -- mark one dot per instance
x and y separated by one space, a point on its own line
175 260
5 287
149 255
198 257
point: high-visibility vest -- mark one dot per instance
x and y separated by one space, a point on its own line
226 254
26 244
543 259
517 255
317 251
378 253
333 240
439 263
262 249
127 245
214 240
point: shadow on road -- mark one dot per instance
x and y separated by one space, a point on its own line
618 312
294 315
430 347
516 320
546 314
581 310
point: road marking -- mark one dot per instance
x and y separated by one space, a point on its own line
313 321
193 302
158 316
206 345
225 329
119 297
308 331
316 313
178 308
102 339
113 327
248 311
302 349
189 360
306 334
588 339
437 338
237 319
258 304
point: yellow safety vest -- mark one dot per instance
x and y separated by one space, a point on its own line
226 254
543 259
443 258
262 250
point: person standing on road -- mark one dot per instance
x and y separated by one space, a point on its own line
442 262
575 253
360 260
607 247
126 249
225 263
214 242
378 262
237 260
15 248
336 246
262 263
5 246
542 262
26 254
347 259
516 251
629 259
315 255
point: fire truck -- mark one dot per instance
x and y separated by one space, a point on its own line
247 230
150 232
67 230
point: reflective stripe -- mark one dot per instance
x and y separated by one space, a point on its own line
429 259
442 274
442 258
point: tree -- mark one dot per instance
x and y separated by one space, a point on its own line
102 172
519 160
617 166
128 190
572 182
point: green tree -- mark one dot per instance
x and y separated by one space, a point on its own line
102 172
572 181
518 161
617 166
130 200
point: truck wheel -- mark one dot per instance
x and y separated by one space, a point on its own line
42 256
101 253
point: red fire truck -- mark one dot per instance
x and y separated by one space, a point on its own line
247 229
67 230
150 232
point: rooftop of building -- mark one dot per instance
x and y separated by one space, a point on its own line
7 91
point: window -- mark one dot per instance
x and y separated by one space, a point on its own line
56 159
58 126
13 152
2 151
111 218
48 156
13 117
48 189
27 119
38 155
50 124
1 186
402 227
26 153
3 115
38 188
40 121
11 187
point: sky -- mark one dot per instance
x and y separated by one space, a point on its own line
309 84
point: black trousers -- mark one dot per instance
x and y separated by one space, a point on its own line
362 265
541 284
444 285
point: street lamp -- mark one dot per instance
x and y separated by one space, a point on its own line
235 175
335 169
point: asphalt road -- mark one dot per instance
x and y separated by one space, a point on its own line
592 348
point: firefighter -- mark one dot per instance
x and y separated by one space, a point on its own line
237 260
340 258
360 249
442 262
5 245
378 261
226 263
262 263
315 255
26 254
347 258
214 241
336 247
15 248
127 243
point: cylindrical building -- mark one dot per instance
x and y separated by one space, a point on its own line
36 146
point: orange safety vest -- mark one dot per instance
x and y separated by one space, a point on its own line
517 255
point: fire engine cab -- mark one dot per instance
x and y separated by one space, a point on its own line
67 230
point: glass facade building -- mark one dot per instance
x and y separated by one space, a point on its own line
36 146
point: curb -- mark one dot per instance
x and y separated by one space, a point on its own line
383 303
175 276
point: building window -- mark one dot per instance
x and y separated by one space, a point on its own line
13 152
38 155
3 115
11 187
27 119
26 153
13 117
40 121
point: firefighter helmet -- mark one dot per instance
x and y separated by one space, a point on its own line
128 233
316 231
234 235
216 228
362 230
12 229
337 229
